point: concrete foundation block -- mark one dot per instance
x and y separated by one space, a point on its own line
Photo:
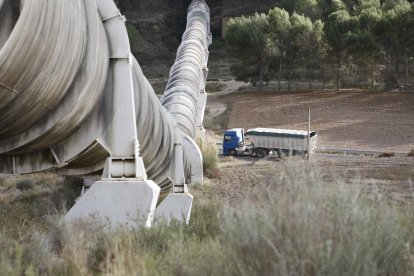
175 206
117 203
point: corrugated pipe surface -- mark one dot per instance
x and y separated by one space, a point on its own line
55 70
187 79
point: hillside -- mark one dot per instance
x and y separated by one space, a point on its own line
156 26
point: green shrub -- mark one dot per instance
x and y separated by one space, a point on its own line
212 87
205 221
134 38
209 151
24 185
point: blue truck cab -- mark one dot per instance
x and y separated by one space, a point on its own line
233 140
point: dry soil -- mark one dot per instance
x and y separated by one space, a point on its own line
351 120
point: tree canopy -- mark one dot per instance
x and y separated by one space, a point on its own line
376 34
248 38
258 39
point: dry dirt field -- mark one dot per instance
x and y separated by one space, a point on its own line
358 120
351 120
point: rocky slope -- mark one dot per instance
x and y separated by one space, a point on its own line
156 26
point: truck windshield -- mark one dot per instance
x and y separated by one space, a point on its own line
227 138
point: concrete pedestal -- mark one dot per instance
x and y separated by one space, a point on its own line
115 203
175 206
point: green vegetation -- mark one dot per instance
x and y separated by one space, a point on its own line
134 38
298 39
209 151
297 225
249 39
25 184
305 37
26 199
212 87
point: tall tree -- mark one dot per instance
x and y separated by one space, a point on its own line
315 53
329 6
308 8
340 29
297 37
249 40
405 43
396 5
365 46
279 24
391 33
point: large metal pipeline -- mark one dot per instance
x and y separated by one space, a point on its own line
62 70
155 130
187 75
52 74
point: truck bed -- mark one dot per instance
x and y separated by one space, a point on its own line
284 139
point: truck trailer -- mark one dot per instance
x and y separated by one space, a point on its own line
260 142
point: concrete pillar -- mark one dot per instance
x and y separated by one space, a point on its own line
175 207
111 204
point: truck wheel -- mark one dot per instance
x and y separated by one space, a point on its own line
286 152
279 153
260 153
232 152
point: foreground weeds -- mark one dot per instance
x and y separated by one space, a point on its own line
297 226
209 152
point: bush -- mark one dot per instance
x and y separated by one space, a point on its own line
134 38
299 226
309 228
24 185
386 155
209 151
212 87
411 153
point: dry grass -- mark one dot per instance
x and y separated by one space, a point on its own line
297 225
27 198
305 227
209 151
227 159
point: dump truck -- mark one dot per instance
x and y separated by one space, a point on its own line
260 142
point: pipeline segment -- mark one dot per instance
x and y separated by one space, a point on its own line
63 65
187 76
